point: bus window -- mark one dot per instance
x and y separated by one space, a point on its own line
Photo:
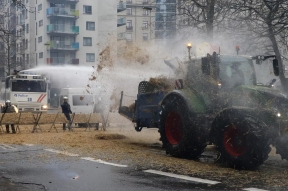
82 100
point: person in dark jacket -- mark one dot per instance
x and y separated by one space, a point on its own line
8 108
67 111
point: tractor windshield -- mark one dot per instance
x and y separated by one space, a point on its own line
236 71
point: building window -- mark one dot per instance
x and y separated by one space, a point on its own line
26 14
27 1
145 37
145 1
41 55
2 46
129 11
39 7
90 26
90 57
27 58
129 1
145 12
87 9
145 24
26 43
128 36
27 28
87 41
40 23
39 39
129 24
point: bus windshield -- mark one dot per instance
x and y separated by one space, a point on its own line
28 86
236 71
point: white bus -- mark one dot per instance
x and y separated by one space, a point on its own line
28 92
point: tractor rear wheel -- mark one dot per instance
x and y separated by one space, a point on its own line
179 135
241 140
282 146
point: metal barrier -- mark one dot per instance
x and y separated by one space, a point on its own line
38 119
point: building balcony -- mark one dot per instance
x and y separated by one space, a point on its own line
74 61
22 50
64 1
55 60
61 61
62 29
121 6
121 22
62 12
21 21
21 35
63 45
129 28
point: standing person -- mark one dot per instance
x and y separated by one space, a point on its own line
67 111
8 108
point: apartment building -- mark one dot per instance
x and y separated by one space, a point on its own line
138 20
165 19
146 20
56 32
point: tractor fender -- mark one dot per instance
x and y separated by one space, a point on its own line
192 100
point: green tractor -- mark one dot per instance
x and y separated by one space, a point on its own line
219 102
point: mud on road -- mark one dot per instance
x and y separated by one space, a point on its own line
120 143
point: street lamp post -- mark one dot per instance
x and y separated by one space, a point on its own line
189 46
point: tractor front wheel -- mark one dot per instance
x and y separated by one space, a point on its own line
240 139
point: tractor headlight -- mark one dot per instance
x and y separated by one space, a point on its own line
278 114
219 85
44 107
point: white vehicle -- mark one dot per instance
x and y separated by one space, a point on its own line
27 92
81 101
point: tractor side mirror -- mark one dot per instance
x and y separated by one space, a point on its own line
205 65
276 67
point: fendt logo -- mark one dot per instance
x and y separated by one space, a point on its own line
20 95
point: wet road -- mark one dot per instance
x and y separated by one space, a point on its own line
36 168
29 167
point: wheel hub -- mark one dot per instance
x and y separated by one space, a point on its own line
234 141
173 128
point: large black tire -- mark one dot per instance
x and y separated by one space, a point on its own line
282 146
180 137
241 139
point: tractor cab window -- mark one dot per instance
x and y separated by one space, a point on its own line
236 71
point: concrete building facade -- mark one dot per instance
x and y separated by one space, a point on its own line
138 21
146 20
56 32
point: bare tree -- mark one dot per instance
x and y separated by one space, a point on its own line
9 34
268 20
204 15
